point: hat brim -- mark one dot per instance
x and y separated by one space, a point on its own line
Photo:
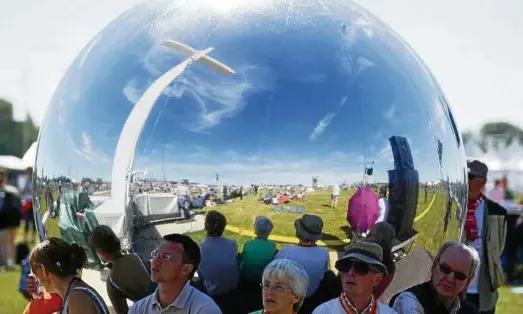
304 233
366 259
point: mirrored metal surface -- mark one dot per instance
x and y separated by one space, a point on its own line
256 108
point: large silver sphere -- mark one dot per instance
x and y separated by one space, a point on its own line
272 96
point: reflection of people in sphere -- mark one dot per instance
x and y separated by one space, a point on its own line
184 203
335 195
129 277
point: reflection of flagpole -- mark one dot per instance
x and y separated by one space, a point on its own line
127 142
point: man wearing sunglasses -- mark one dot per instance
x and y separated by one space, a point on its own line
452 270
361 270
173 265
485 230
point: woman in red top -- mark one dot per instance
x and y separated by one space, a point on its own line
382 233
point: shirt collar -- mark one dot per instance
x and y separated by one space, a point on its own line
366 308
181 300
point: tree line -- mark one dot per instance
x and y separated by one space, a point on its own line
15 136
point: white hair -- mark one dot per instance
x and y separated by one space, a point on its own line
474 257
291 274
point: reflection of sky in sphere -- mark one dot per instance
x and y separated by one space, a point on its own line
318 90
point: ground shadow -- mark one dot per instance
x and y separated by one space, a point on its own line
330 237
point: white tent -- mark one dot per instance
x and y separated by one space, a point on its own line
11 163
29 158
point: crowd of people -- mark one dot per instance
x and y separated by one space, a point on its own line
183 276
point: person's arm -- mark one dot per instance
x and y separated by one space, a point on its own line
407 303
118 300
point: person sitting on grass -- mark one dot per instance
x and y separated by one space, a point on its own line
257 253
129 277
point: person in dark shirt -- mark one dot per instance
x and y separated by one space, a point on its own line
10 214
129 277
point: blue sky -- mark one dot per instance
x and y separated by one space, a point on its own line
469 45
287 114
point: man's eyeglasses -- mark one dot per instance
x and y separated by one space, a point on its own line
361 268
163 256
276 288
447 270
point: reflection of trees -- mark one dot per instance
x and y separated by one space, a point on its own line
500 132
15 137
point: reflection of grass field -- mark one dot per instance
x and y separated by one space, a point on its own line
242 213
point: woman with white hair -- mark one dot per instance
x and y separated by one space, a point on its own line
284 285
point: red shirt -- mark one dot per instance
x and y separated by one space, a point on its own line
48 305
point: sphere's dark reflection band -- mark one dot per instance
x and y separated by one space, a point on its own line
254 112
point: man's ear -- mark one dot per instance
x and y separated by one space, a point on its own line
378 278
187 269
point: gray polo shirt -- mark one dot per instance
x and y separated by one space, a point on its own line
190 300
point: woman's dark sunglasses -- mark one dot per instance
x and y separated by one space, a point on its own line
447 270
361 268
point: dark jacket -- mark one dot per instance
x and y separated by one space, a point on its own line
431 304
10 209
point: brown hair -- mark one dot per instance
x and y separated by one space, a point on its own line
59 257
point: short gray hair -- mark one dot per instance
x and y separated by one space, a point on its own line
471 252
263 227
290 273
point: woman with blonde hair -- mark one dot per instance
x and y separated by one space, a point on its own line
284 286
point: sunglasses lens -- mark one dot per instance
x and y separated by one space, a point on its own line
457 274
361 268
460 276
445 269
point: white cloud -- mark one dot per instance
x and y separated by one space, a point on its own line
87 145
322 126
132 92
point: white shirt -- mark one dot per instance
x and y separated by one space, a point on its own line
334 307
478 246
383 204
182 190
190 300
336 190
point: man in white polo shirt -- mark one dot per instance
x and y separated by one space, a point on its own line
172 267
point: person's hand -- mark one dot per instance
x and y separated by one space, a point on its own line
33 287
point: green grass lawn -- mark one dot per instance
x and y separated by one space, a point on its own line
242 213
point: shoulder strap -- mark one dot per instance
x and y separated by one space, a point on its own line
143 263
95 298
111 281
